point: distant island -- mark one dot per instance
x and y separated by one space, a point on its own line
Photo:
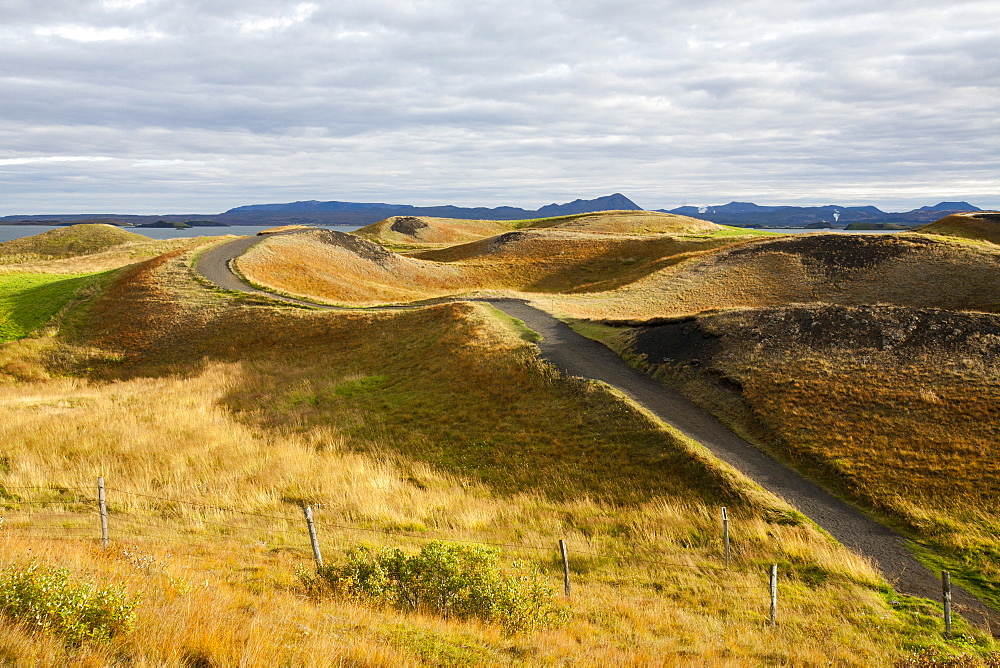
184 224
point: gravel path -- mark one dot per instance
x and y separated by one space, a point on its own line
578 356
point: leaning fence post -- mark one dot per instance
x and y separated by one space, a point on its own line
725 533
102 502
565 560
774 594
946 590
312 536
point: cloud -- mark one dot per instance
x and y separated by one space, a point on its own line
519 102
300 13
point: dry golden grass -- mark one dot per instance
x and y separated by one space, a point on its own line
333 267
894 407
638 277
625 222
901 269
983 226
417 232
435 422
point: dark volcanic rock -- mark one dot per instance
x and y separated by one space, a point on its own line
360 247
835 251
407 225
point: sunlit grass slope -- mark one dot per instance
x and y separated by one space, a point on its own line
895 407
342 268
434 422
624 222
554 260
415 232
977 226
901 269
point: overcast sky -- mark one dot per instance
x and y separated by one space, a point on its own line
177 106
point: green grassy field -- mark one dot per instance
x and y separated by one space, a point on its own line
28 301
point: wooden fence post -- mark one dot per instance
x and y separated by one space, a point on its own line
946 590
565 560
725 533
312 536
774 594
102 502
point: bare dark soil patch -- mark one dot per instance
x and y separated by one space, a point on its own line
905 330
989 217
408 225
835 251
506 239
683 342
876 328
360 247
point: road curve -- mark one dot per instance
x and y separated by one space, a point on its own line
576 355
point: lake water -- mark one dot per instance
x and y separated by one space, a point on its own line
8 232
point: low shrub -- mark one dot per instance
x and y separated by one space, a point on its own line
461 581
45 598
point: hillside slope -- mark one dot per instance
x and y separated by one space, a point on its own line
216 418
84 248
901 269
894 407
67 241
414 230
979 226
406 231
342 268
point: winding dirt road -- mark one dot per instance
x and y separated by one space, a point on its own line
578 356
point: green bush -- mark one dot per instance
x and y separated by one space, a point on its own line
460 581
44 597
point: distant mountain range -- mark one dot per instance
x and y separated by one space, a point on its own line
747 214
312 212
338 213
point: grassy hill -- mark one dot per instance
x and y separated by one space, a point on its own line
894 407
983 226
84 248
68 241
902 269
341 268
215 417
405 231
415 232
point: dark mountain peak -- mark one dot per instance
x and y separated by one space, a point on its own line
739 207
950 206
616 202
309 205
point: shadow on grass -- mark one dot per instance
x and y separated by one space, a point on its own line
437 385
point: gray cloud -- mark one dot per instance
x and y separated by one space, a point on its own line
153 105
